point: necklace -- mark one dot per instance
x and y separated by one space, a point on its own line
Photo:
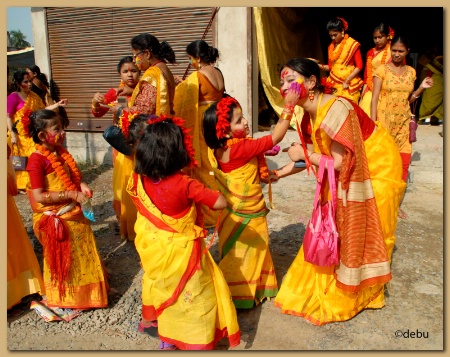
262 164
369 67
71 183
334 56
158 61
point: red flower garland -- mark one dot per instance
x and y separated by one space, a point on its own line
71 183
189 147
125 119
334 57
222 112
110 96
327 87
26 121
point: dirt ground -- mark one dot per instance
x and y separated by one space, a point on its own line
411 320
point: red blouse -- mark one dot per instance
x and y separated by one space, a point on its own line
367 124
174 195
356 60
243 151
38 167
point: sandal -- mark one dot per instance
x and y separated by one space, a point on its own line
167 346
402 214
151 330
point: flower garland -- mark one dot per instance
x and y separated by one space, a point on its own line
25 120
71 183
222 112
125 119
189 147
335 56
110 97
262 163
369 67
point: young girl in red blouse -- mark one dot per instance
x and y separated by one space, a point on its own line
185 298
73 270
239 167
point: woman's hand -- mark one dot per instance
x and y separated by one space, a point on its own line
98 99
296 152
293 95
427 83
124 91
86 189
13 137
273 177
62 103
115 109
345 84
177 79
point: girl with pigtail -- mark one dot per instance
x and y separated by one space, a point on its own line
239 167
74 276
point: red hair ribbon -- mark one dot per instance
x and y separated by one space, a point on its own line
222 112
327 87
344 23
179 122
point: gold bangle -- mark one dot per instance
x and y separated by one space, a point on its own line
61 195
95 109
48 198
286 116
417 97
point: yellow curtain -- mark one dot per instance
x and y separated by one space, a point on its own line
282 34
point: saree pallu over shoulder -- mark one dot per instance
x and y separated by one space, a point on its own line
154 76
182 287
359 226
341 69
186 106
246 261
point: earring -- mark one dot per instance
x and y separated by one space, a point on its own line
311 94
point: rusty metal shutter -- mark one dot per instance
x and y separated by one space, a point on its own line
87 43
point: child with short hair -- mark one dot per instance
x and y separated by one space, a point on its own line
184 294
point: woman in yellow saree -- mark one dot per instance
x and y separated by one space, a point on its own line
376 57
192 97
239 166
19 103
74 276
184 294
369 190
344 61
432 104
24 274
153 94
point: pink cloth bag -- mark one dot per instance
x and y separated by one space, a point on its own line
320 244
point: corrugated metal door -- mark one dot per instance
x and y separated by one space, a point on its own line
87 43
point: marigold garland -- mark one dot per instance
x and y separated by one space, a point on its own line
335 56
110 96
71 183
125 119
25 119
222 112
262 163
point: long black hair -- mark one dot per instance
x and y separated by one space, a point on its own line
160 151
160 50
41 76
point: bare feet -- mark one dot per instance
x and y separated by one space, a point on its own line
402 214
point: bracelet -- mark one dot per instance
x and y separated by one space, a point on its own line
290 108
286 116
312 152
417 97
276 173
95 109
61 195
47 198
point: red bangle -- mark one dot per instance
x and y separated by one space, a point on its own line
291 108
276 173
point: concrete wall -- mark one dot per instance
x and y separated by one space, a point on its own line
89 148
40 35
234 42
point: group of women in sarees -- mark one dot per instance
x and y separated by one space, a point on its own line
194 166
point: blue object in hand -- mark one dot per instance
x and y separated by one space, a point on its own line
300 164
88 212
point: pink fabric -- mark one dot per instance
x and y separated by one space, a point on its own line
14 103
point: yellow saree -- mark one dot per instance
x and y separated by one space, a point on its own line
25 144
123 165
341 69
433 98
186 106
182 286
246 261
328 294
87 286
374 61
24 275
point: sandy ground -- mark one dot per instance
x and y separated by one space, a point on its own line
411 320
